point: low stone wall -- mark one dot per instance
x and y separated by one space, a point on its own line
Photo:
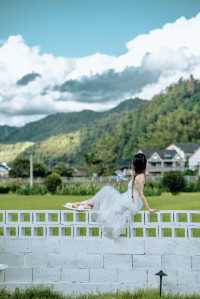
102 265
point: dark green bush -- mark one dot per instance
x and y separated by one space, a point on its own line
63 170
190 172
173 181
78 188
35 190
153 189
190 187
39 170
20 167
14 186
198 185
9 186
52 182
4 188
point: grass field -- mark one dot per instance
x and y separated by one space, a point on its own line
167 201
41 293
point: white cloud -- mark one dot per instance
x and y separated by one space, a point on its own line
151 63
173 49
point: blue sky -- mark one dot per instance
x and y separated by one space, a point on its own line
70 55
76 28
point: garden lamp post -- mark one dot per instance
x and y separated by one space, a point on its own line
161 274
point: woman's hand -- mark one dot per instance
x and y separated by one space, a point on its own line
152 210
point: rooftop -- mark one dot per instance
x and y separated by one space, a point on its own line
188 148
163 153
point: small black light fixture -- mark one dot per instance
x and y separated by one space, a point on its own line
161 274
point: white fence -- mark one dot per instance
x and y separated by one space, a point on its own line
74 224
67 251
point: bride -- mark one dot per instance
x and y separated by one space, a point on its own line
114 208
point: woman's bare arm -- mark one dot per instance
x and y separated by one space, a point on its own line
139 186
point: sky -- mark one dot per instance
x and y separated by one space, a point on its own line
71 55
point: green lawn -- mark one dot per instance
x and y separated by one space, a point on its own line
36 202
41 293
182 201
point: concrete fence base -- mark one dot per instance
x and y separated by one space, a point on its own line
102 265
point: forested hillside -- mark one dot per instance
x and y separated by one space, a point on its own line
5 131
172 116
61 123
60 137
9 152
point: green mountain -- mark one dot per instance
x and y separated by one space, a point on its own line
5 131
62 136
61 123
128 105
103 141
171 116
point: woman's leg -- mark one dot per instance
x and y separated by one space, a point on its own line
95 200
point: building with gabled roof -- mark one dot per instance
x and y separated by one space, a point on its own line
160 161
190 153
185 150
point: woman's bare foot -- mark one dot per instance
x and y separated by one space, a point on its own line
75 204
88 205
83 204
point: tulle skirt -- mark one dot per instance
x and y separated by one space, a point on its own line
114 210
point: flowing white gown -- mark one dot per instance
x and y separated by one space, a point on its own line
114 209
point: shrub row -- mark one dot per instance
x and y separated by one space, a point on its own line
35 190
9 187
72 188
78 189
171 182
175 182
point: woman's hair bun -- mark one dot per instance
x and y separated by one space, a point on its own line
139 162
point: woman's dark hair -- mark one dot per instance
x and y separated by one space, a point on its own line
139 164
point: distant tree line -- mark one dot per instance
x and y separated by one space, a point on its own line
21 168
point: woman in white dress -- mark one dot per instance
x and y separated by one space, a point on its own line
114 208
